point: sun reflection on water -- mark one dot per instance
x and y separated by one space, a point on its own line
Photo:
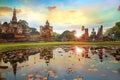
79 50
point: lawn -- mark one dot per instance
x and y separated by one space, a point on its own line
5 45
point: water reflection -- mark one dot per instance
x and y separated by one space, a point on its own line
64 62
46 54
16 56
103 51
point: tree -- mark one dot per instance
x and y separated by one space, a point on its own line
67 36
23 23
114 32
33 31
118 24
56 36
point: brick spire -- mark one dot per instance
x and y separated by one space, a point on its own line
14 18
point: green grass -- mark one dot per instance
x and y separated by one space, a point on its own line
5 45
13 46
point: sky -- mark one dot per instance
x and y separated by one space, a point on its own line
63 14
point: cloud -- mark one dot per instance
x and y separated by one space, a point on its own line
100 14
61 17
83 16
33 17
53 8
7 10
75 26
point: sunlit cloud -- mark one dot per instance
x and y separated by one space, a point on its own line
7 10
65 16
32 16
53 8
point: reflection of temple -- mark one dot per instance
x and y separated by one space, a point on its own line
13 62
13 58
1 78
85 54
46 32
14 66
46 54
13 31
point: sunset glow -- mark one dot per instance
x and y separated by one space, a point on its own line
63 14
79 33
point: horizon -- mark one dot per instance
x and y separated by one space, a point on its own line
63 15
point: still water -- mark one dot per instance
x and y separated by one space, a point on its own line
63 62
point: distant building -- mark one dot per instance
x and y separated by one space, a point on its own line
13 31
85 36
93 36
13 26
46 32
100 34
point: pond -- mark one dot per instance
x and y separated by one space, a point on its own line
63 62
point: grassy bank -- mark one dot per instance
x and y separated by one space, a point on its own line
5 45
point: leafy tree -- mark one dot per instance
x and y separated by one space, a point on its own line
67 35
56 36
23 23
33 31
114 32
